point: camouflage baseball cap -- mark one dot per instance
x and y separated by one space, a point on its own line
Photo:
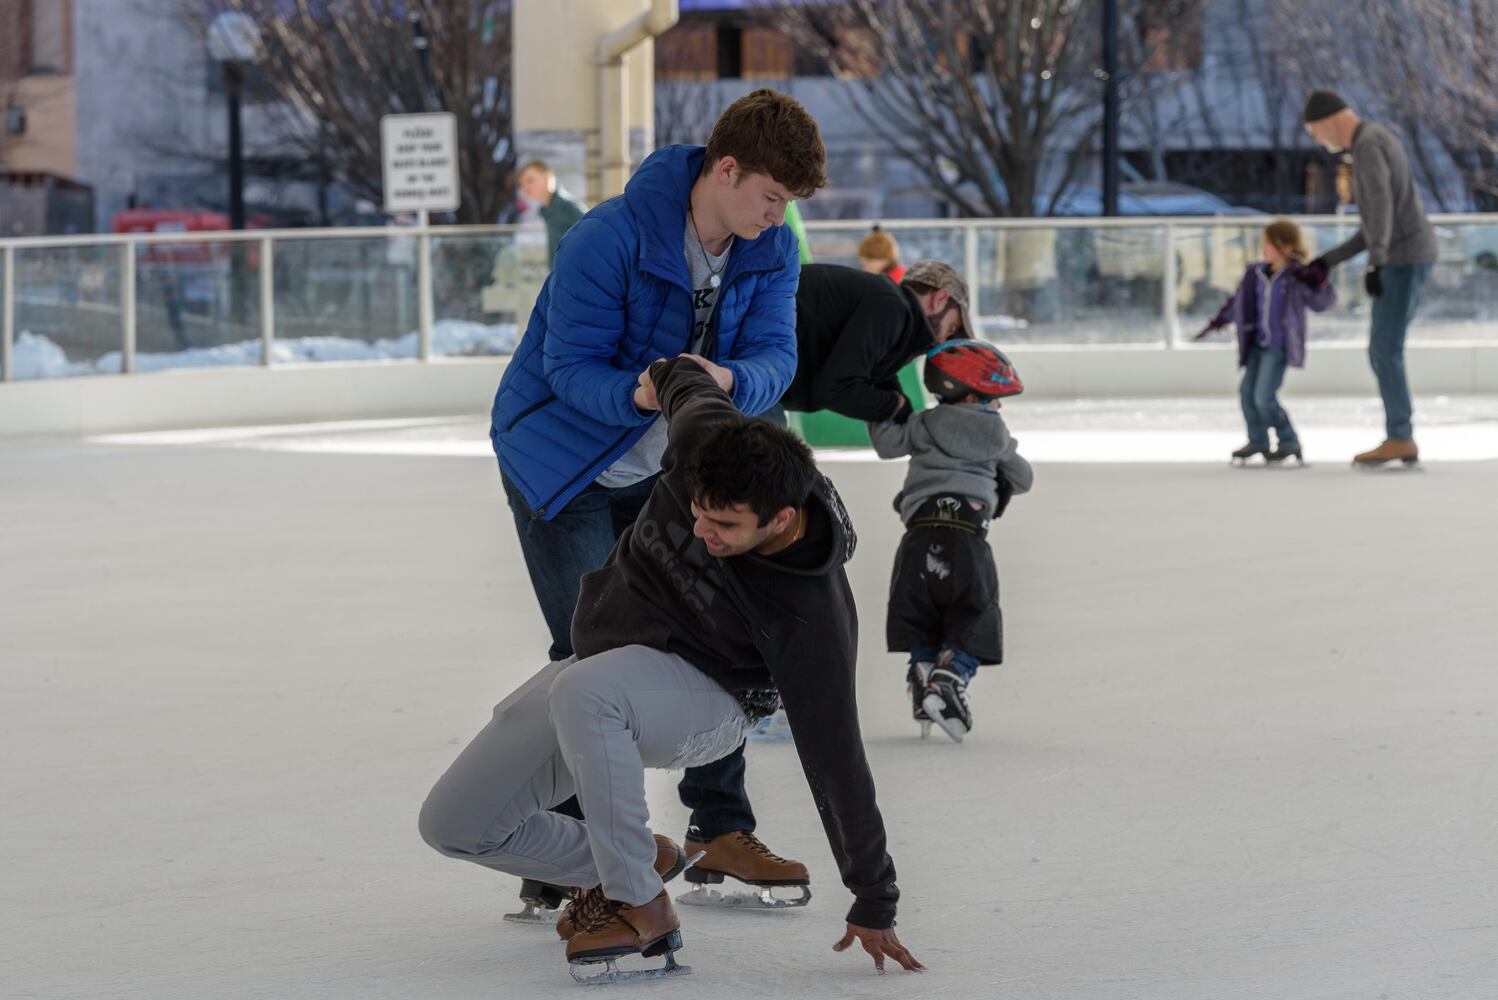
939 274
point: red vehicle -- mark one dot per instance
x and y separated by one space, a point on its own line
181 220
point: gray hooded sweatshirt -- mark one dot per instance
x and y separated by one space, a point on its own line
959 448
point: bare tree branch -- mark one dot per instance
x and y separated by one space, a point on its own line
991 99
341 65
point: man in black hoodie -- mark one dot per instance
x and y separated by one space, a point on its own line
729 587
855 331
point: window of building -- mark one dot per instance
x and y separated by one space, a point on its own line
768 54
730 52
724 52
48 36
687 52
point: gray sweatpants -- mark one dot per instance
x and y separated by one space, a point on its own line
590 728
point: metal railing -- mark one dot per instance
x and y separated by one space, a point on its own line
140 302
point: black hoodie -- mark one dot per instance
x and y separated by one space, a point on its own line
751 623
854 332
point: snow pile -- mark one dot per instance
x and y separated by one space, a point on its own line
37 356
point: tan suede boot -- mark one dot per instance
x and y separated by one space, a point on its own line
1392 450
740 855
616 928
587 903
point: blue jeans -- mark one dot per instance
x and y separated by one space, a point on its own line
557 554
1262 378
1392 313
966 664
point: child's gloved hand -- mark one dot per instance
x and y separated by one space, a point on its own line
1207 330
1315 273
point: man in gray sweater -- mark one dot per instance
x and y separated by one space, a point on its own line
1401 247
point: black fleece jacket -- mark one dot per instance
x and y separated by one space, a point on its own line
854 332
751 623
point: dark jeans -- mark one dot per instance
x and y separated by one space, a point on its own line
1259 393
557 554
1392 312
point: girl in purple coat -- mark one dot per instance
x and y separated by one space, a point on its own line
1269 312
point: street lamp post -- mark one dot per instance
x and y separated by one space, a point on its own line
234 42
1110 107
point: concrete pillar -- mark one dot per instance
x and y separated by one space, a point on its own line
567 103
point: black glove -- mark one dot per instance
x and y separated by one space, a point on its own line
1006 493
1212 325
1315 273
905 410
1373 282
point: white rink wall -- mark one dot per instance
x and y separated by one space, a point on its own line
308 390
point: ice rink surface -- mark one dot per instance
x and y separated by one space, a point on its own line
1245 746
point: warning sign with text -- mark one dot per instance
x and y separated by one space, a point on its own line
420 154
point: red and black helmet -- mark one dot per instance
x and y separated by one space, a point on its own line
959 367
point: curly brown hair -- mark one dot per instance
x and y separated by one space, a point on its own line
768 132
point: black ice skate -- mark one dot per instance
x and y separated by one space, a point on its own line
1242 455
1283 452
916 680
541 902
946 703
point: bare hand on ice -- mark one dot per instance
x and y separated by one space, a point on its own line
880 944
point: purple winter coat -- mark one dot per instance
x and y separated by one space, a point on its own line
1299 296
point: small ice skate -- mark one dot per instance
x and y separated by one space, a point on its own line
946 702
541 902
617 930
1403 452
916 679
741 856
1242 455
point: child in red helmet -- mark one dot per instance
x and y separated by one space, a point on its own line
944 595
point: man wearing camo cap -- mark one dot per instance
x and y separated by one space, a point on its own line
855 331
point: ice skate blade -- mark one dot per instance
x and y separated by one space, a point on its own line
761 898
1393 465
532 914
925 727
612 974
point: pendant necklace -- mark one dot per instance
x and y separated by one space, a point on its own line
713 273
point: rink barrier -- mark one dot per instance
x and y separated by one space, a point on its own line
1088 306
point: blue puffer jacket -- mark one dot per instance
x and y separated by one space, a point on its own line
619 299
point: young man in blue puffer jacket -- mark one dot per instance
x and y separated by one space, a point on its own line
692 259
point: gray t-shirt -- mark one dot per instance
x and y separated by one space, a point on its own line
644 459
